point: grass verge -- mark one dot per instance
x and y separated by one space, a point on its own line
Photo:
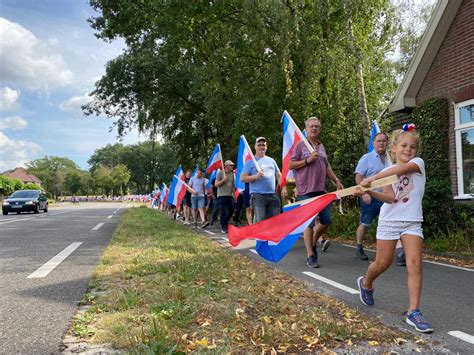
160 288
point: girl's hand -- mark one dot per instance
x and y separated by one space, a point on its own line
358 192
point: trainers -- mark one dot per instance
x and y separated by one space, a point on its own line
325 244
361 254
205 224
366 295
223 231
415 319
400 257
312 261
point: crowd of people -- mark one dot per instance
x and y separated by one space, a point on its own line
397 207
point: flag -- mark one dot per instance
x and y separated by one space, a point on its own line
195 171
213 176
164 195
244 154
156 194
276 228
215 160
291 136
375 129
177 189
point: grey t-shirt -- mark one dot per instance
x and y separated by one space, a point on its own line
226 189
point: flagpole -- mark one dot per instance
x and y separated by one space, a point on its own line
257 166
222 158
305 141
190 189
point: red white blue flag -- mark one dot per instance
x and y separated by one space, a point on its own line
215 161
164 194
244 155
177 188
291 136
375 129
276 229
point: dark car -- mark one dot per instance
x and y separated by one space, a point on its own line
24 201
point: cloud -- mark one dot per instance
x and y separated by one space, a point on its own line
15 123
74 103
8 99
29 61
14 153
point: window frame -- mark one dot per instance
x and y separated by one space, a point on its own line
458 129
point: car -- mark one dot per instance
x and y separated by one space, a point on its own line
24 201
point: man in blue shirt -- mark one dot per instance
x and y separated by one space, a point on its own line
264 200
370 164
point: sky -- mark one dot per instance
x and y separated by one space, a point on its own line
49 62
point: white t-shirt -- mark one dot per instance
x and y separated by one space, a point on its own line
409 193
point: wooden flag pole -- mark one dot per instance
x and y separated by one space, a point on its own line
257 166
389 180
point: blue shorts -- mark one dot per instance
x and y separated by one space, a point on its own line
198 202
324 215
369 212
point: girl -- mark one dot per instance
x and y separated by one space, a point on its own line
400 218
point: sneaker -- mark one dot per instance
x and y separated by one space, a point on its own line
312 261
205 224
223 231
415 319
325 244
366 295
361 254
400 257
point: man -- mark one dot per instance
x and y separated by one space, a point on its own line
198 202
370 164
186 203
264 200
225 193
311 172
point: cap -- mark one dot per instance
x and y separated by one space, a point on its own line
260 139
229 162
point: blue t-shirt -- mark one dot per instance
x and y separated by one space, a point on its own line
265 185
371 164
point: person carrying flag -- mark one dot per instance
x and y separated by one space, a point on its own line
225 192
370 164
311 171
264 200
198 203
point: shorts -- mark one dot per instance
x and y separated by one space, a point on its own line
323 215
187 200
247 198
393 230
198 202
369 212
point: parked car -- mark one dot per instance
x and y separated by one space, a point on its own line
24 201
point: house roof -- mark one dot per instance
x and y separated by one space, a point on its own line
20 173
435 32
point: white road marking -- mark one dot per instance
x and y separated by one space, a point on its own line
209 232
109 217
114 212
254 251
18 220
49 266
425 261
331 282
463 336
97 227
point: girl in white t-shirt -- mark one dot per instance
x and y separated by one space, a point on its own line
400 218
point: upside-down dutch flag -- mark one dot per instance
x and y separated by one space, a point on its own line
177 188
155 197
280 232
244 155
291 136
164 195
195 171
211 177
374 130
215 160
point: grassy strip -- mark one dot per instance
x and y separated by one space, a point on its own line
162 288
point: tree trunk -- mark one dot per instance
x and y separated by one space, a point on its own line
364 115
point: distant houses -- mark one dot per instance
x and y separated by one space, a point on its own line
21 174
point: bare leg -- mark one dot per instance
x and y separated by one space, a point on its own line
194 210
308 240
319 230
361 232
249 215
383 259
202 213
413 247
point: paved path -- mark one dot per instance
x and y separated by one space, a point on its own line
46 261
447 299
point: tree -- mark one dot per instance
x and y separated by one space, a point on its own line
120 177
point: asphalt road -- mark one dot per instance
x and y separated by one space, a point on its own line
37 298
447 300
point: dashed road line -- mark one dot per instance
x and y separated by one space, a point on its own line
49 266
463 336
331 282
97 227
253 251
209 232
109 217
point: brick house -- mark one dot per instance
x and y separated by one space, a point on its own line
443 66
21 174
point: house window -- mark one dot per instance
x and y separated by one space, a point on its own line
464 133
